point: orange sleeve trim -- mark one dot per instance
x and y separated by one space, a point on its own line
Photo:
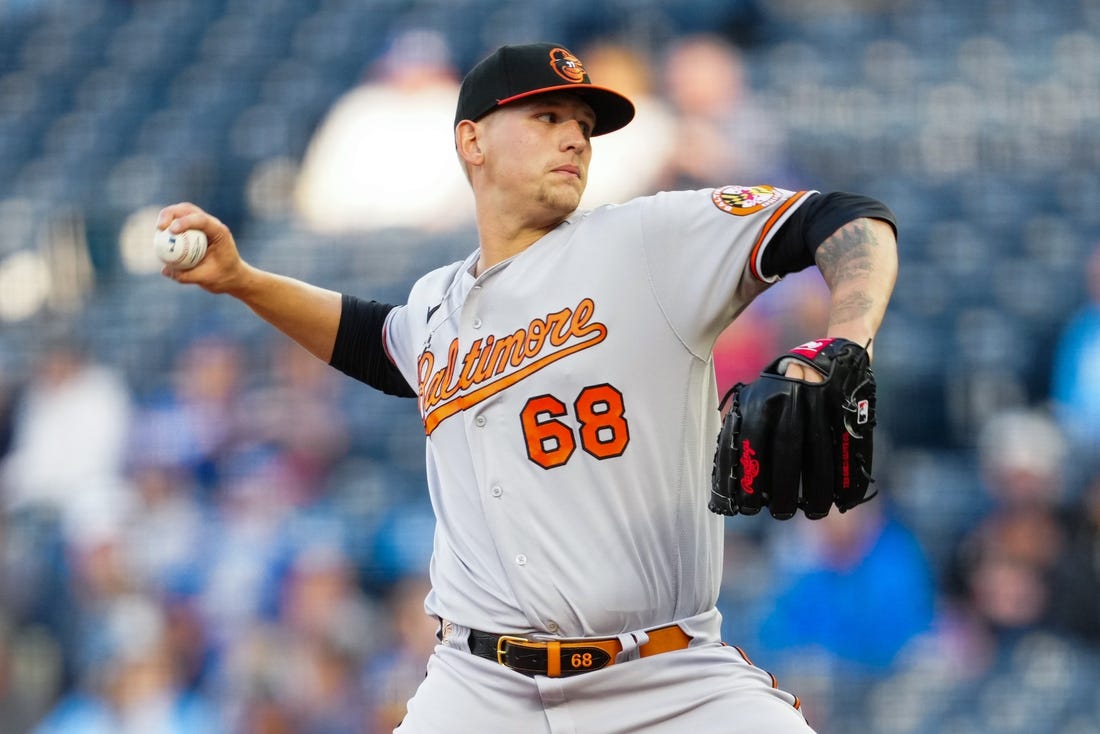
766 231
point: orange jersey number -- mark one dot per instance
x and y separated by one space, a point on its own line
603 432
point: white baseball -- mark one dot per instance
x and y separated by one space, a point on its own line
181 251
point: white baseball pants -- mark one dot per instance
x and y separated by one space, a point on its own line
698 690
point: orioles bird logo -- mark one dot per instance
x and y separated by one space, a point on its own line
742 200
567 66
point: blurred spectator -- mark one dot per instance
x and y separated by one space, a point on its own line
30 675
1018 569
331 623
1079 612
1022 456
245 544
632 161
723 132
394 673
1006 563
63 492
402 543
254 680
321 600
855 586
36 607
384 155
299 671
1075 373
297 410
1005 600
199 422
133 687
164 542
188 642
1044 525
69 442
993 642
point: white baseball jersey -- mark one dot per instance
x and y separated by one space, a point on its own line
570 406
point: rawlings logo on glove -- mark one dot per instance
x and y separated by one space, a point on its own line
789 445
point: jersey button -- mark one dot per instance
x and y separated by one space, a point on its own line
551 626
496 491
476 324
479 421
521 560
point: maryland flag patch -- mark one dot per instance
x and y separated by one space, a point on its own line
743 200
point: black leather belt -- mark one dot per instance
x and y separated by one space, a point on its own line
562 658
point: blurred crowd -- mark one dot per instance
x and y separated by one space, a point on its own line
203 529
185 563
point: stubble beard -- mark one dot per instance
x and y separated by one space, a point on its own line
560 199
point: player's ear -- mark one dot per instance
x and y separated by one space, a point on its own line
468 142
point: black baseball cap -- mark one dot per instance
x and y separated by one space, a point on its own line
512 73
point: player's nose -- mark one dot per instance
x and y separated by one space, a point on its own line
573 135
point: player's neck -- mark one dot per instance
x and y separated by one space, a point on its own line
502 237
497 250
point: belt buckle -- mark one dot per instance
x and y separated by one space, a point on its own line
507 639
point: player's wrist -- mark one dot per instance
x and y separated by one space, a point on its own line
245 282
862 335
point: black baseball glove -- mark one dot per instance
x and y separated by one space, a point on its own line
790 445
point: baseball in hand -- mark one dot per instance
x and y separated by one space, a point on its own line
181 251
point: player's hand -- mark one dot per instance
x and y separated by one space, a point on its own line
799 371
222 270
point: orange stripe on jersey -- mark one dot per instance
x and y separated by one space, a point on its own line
447 390
470 399
768 225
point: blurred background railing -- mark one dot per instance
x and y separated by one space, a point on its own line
202 529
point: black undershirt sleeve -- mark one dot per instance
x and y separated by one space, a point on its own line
359 351
793 246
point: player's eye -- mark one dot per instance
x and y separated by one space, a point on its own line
550 117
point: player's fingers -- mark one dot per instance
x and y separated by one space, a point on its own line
172 212
798 371
196 220
185 215
173 274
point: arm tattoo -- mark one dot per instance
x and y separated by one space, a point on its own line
847 253
846 261
852 307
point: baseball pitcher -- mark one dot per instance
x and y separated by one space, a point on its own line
578 462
